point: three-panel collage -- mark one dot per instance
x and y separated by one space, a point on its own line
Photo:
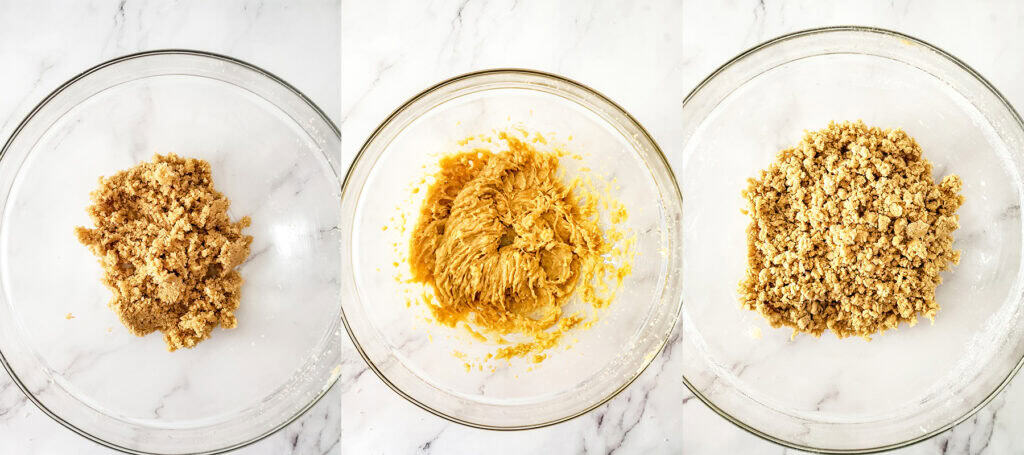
503 227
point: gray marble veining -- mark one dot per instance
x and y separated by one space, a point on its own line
45 43
983 35
628 51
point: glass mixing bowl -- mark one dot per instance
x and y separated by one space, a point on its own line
273 154
851 395
415 357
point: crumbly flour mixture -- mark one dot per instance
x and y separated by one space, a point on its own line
168 249
849 232
505 243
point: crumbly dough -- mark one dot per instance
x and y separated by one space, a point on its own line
849 232
168 249
505 243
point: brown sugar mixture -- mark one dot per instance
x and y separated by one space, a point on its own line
168 249
505 244
849 232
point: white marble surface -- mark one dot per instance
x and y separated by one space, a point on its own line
629 50
609 46
644 55
985 35
42 44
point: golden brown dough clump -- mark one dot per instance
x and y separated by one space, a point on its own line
168 249
504 244
849 232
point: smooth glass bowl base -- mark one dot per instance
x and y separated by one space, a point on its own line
415 357
273 155
853 395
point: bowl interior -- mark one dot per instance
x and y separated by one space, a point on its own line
851 393
416 355
89 370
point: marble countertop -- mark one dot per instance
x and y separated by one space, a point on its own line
627 50
646 56
43 44
982 34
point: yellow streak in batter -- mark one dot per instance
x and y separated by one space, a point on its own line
505 244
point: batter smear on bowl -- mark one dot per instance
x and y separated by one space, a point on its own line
505 244
849 232
168 249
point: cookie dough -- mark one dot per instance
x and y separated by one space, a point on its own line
849 232
168 249
504 244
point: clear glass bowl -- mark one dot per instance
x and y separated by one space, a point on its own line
850 395
273 154
414 357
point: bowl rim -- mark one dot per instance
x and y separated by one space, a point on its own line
543 75
977 76
53 94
